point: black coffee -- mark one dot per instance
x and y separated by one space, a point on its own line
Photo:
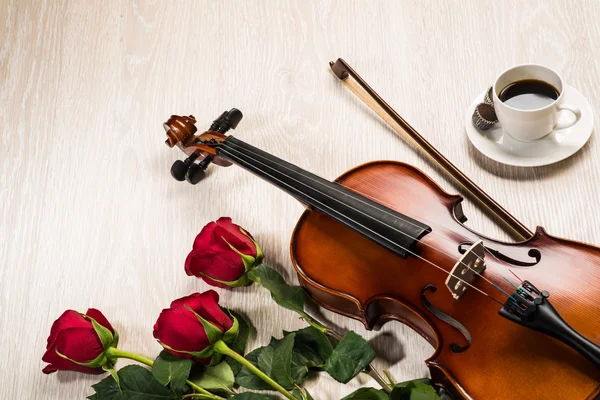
528 94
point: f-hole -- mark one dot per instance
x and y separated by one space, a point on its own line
534 254
442 316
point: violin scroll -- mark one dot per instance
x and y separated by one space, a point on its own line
181 131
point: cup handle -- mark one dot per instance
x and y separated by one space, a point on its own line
567 107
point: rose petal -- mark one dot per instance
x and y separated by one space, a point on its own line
196 259
79 344
222 237
225 266
204 236
68 319
48 369
180 329
207 306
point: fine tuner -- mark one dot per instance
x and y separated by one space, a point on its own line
188 169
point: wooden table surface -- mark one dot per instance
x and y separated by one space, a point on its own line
90 216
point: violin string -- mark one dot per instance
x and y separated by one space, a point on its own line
381 236
388 205
389 213
393 228
511 284
520 280
385 211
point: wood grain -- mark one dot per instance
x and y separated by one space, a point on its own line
374 285
91 217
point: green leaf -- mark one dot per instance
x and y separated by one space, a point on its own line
107 389
419 389
311 350
313 345
276 361
287 296
239 343
169 369
350 356
299 368
248 379
137 383
250 396
219 377
426 381
367 394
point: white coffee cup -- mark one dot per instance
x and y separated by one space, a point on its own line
526 124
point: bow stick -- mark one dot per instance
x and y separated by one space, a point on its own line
358 86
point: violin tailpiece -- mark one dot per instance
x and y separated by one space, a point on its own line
530 307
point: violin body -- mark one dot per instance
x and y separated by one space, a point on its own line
349 274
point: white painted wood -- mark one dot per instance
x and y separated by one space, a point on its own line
91 217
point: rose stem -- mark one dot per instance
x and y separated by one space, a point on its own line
221 347
390 378
116 353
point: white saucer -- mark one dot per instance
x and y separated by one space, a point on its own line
556 146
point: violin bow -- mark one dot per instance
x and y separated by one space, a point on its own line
359 87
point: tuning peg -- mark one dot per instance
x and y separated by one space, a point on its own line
179 168
230 120
195 172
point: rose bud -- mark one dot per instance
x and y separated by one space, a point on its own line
78 342
192 324
223 253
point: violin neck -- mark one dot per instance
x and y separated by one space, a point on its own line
390 229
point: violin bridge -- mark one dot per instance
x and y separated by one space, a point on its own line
470 265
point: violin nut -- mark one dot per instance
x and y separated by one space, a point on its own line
179 129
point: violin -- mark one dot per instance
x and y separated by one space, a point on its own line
385 242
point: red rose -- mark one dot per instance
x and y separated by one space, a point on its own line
192 324
75 344
222 254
